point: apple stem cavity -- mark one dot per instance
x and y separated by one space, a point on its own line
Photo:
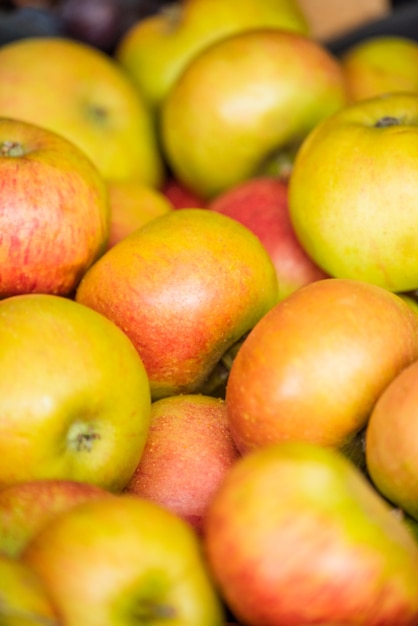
81 437
11 149
387 120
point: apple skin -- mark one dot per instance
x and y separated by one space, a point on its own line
23 598
81 93
185 288
54 211
346 213
297 535
25 507
156 50
391 441
124 560
380 64
313 367
180 196
188 452
263 90
74 394
261 204
132 205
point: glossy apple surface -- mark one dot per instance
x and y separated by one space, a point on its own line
297 535
81 93
74 394
356 215
124 560
263 91
185 288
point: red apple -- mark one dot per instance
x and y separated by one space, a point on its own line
261 204
188 452
180 196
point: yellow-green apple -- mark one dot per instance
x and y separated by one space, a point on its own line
180 196
156 49
188 452
392 441
24 600
124 560
313 367
133 204
74 394
185 288
356 215
27 506
296 535
54 211
83 94
261 204
263 91
380 64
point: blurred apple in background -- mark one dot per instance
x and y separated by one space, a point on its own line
180 196
25 507
157 49
392 441
124 560
54 211
261 204
23 597
132 205
356 215
297 535
78 91
380 64
188 452
314 366
263 91
185 288
74 394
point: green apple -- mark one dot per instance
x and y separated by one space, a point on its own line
188 452
313 367
157 48
185 288
23 598
356 215
121 561
74 394
392 441
243 105
80 92
380 64
54 211
297 535
27 506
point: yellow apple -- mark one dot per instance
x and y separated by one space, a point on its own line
80 92
380 64
353 192
156 49
243 105
74 394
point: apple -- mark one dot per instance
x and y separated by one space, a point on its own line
80 92
261 204
188 452
185 288
133 204
392 441
124 560
23 598
313 367
380 64
74 394
25 507
54 211
263 91
156 49
357 215
180 196
297 535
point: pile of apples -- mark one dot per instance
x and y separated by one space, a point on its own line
209 325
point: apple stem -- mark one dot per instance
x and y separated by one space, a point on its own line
11 149
81 437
